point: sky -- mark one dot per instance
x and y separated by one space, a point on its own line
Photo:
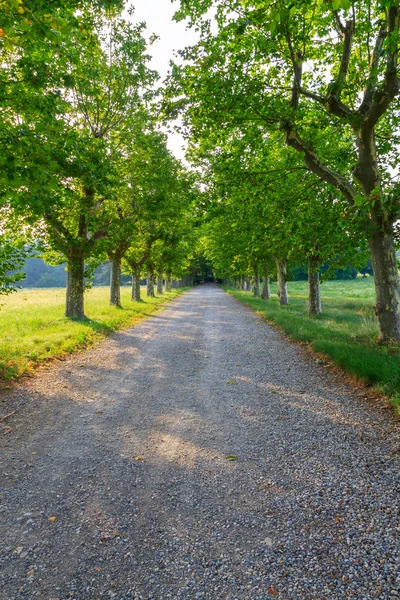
173 36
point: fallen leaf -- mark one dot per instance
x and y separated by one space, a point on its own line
206 356
231 457
274 392
232 382
52 519
31 572
7 429
272 591
99 412
138 458
238 365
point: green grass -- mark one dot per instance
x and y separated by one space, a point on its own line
33 328
347 331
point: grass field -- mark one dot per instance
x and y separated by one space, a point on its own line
347 330
33 328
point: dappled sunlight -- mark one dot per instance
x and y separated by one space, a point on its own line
180 419
170 448
306 401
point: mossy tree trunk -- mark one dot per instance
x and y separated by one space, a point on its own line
168 282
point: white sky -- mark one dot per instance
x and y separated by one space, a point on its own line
173 36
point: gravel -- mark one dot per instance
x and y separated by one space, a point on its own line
116 481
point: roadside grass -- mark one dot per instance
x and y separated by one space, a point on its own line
33 328
347 331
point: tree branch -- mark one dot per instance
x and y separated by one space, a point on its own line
383 97
312 161
347 31
373 70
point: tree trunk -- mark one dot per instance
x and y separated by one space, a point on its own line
248 284
266 293
386 278
314 289
168 282
115 281
74 308
160 289
241 283
150 284
136 286
282 282
381 242
256 289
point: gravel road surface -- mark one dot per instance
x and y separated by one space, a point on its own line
199 455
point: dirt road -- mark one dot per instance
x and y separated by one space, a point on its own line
198 456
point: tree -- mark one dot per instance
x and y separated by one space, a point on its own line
274 210
106 83
254 70
34 36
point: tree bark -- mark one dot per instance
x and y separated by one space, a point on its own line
381 242
168 282
115 281
387 286
282 282
75 285
256 289
160 289
248 284
266 293
150 284
378 96
136 286
314 289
